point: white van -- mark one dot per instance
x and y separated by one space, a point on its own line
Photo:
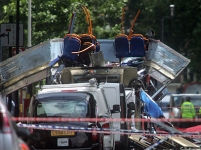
175 103
111 103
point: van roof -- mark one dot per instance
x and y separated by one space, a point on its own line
186 94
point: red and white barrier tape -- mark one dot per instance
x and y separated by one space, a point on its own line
107 131
31 119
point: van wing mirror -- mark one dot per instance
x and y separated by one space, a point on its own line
116 109
131 106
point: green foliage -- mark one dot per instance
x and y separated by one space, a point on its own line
51 18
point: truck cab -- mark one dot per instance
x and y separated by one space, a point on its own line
110 102
64 105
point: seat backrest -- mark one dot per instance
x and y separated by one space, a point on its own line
89 38
121 46
84 57
72 43
137 46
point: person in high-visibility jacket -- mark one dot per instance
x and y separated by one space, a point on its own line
188 112
199 114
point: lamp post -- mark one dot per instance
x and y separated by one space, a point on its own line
29 23
162 21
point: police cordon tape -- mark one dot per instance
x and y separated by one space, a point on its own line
107 131
50 119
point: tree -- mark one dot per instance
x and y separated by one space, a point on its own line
181 32
50 19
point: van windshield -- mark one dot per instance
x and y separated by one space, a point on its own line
196 101
178 100
61 108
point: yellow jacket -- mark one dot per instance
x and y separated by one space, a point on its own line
187 110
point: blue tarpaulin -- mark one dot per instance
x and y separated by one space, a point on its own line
151 107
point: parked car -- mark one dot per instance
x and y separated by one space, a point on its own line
175 103
64 105
10 134
164 104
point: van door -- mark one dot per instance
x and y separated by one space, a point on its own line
115 94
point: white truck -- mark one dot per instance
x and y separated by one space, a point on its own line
111 103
